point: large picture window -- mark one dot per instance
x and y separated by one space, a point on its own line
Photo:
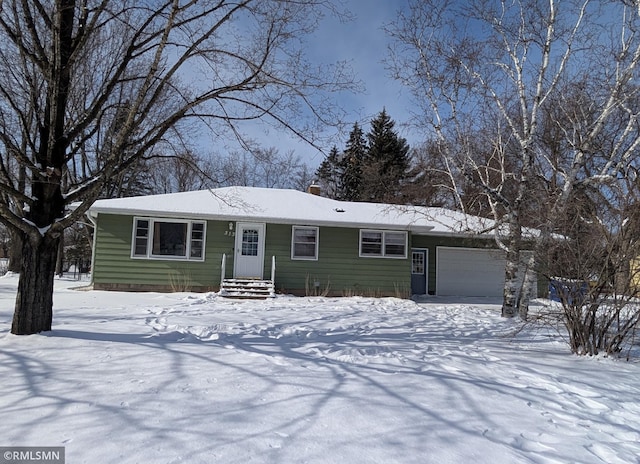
168 239
383 244
304 243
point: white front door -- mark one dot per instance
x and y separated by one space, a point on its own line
249 254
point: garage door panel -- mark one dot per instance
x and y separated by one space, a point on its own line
469 272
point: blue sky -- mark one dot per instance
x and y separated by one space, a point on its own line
363 44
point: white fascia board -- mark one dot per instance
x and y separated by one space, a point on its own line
270 220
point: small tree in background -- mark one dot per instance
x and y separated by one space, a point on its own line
179 172
329 174
77 251
260 167
386 163
351 166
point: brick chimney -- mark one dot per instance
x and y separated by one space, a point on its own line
314 189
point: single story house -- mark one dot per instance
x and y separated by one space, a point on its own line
300 242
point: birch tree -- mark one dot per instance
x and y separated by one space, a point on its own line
486 73
88 87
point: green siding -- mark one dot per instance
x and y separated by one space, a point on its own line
113 265
338 268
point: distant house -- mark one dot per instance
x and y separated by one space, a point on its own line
297 242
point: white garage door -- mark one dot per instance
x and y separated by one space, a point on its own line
469 272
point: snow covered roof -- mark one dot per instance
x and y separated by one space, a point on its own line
285 206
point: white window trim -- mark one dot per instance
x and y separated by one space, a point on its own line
305 258
383 255
152 221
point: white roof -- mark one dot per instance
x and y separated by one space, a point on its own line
285 206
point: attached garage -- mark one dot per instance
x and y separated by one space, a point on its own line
469 272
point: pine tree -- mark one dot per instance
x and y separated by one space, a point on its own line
350 188
329 174
387 162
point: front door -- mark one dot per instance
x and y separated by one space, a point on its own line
418 271
249 254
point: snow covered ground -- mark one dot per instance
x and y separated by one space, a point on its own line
193 378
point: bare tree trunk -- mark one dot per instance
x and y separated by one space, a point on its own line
34 301
527 288
512 265
60 257
15 251
510 293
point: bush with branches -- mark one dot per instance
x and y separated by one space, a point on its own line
593 271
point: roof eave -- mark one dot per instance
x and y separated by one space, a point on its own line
230 217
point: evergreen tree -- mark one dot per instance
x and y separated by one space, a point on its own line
387 162
329 174
352 163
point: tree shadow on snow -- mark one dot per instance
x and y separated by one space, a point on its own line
438 370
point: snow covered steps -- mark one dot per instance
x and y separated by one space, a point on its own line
247 288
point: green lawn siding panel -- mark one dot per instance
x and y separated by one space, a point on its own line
338 268
220 241
114 265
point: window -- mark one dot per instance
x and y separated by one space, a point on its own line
168 239
304 243
197 240
384 244
394 243
250 242
371 243
141 237
417 262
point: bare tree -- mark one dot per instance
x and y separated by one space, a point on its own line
429 182
5 240
180 172
261 167
485 73
88 87
591 269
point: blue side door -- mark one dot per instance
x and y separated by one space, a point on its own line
418 271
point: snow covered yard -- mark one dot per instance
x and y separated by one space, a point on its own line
193 378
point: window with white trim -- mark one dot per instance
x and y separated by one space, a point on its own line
304 243
383 244
168 239
418 262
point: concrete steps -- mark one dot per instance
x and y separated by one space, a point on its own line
247 289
